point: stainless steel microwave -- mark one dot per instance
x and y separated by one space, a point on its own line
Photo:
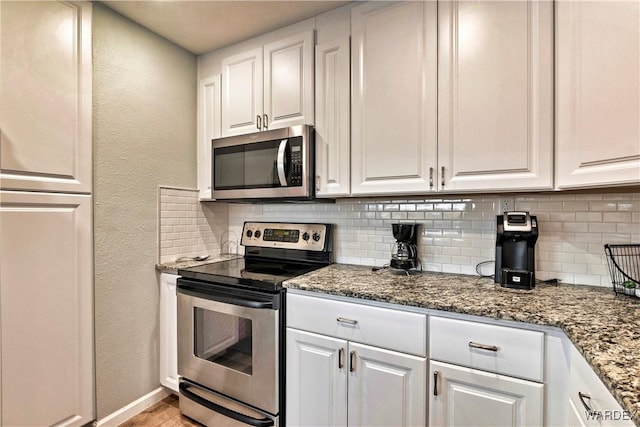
274 164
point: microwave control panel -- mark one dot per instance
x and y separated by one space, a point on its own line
295 171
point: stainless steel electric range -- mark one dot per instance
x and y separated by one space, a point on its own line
231 321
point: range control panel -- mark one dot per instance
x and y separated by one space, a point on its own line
310 237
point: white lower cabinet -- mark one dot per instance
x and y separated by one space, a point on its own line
169 331
469 397
334 382
591 404
484 374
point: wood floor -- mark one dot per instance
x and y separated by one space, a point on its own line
163 413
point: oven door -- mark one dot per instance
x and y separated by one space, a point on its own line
228 341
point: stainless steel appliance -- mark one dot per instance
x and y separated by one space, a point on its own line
275 164
404 254
516 236
231 324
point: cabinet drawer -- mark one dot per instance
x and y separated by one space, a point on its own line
582 379
382 327
500 349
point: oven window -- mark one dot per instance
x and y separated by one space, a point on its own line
223 339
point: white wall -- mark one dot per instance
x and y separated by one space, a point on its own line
144 125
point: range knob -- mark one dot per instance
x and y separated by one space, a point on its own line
305 236
315 236
249 233
257 234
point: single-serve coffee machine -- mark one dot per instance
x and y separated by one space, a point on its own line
404 254
517 233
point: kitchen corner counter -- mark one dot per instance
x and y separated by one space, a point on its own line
604 327
172 267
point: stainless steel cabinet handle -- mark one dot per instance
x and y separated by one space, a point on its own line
348 321
483 346
442 177
583 396
352 361
435 383
265 121
341 358
431 177
318 186
259 122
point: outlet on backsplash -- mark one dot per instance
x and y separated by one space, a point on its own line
506 204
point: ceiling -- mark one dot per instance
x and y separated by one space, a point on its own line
206 25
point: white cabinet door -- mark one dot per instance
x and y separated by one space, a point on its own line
269 87
386 388
209 126
169 331
464 397
288 82
45 112
495 95
242 84
597 93
316 380
394 100
333 118
46 308
590 400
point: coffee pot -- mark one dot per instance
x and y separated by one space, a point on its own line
404 254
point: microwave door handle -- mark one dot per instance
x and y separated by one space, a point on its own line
282 177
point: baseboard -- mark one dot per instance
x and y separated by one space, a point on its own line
134 408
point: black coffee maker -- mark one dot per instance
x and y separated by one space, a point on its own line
404 254
517 233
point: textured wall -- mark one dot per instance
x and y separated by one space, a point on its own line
144 125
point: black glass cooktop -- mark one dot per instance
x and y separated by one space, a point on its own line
250 273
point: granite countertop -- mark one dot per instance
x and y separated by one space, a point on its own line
172 267
604 327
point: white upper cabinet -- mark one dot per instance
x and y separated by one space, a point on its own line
597 93
45 112
394 89
495 95
269 87
209 125
333 120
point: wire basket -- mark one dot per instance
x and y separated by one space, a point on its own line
624 266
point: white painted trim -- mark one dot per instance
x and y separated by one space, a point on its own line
134 408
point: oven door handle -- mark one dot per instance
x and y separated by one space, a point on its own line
258 422
227 299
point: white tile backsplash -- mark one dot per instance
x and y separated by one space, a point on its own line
455 234
188 228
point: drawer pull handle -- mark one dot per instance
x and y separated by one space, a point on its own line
583 396
347 321
341 358
352 361
435 383
483 346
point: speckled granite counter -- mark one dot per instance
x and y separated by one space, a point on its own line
172 267
605 328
